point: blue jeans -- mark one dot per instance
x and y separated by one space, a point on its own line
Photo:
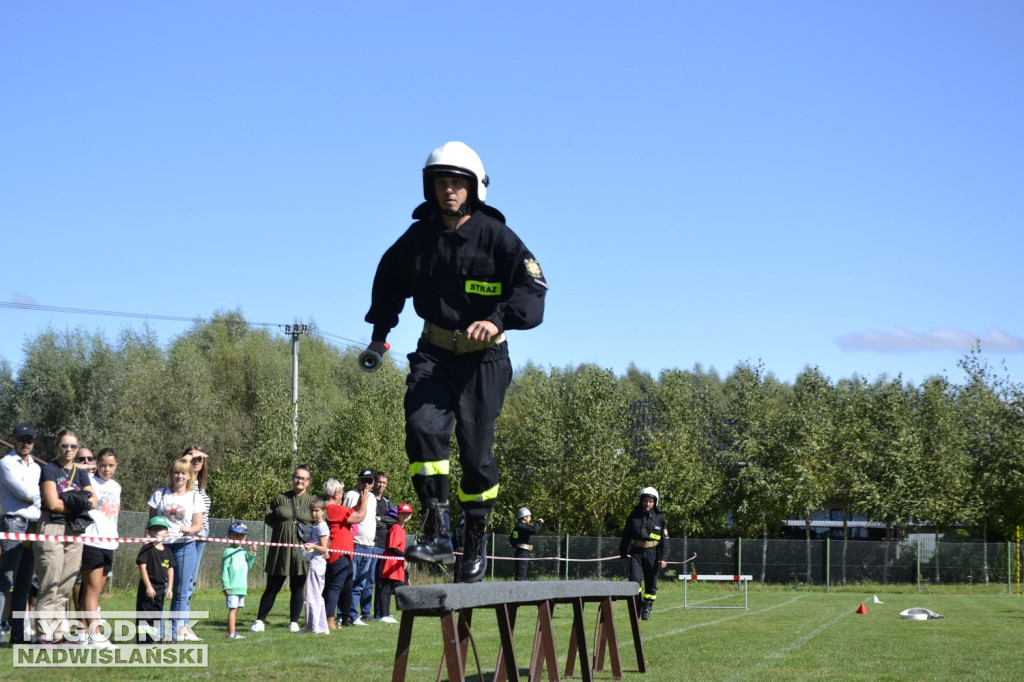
185 558
17 563
362 583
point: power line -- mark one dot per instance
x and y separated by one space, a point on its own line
115 313
341 340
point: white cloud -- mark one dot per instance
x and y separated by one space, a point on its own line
23 300
947 338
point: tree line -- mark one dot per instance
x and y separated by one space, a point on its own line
731 456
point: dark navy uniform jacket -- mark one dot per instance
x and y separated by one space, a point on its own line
647 526
482 271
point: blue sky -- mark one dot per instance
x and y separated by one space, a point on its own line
793 183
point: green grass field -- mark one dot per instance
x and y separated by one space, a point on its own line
787 634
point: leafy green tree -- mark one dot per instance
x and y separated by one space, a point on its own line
992 417
683 437
812 442
527 449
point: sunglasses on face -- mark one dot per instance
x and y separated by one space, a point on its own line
26 439
198 459
68 446
83 460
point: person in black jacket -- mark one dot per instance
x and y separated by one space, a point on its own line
520 539
644 548
471 279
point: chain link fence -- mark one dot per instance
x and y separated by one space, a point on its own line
918 559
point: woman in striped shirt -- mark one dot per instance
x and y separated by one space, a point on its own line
200 468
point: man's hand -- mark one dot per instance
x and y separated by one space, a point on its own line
482 330
664 564
150 593
379 347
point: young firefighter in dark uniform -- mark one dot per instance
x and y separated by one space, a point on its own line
470 279
643 546
520 539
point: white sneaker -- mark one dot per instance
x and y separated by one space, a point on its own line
358 621
98 643
388 619
257 626
294 627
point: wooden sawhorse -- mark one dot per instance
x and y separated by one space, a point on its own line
454 605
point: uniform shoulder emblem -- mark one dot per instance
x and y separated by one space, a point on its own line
533 268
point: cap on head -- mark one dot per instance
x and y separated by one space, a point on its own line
650 491
239 528
455 158
405 508
523 512
24 429
158 522
366 474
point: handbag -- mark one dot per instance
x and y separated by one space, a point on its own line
304 530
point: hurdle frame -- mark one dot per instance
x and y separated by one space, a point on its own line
745 579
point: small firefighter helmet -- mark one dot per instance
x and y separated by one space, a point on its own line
652 492
455 158
523 512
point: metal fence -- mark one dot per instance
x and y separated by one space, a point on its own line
918 559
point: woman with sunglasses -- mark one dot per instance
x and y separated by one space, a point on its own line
98 555
200 462
67 496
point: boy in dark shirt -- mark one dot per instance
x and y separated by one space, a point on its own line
156 576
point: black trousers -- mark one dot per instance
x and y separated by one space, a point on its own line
643 568
387 589
144 603
522 567
297 585
446 390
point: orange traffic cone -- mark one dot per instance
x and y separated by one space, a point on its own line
862 610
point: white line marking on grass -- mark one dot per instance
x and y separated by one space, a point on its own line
718 620
694 603
773 657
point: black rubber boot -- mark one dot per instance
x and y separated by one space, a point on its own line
474 551
645 611
435 542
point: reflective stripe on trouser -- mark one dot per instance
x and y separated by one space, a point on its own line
464 392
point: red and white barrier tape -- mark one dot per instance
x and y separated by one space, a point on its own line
36 537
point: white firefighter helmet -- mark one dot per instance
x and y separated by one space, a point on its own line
523 512
455 158
652 492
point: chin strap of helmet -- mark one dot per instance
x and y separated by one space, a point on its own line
463 210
